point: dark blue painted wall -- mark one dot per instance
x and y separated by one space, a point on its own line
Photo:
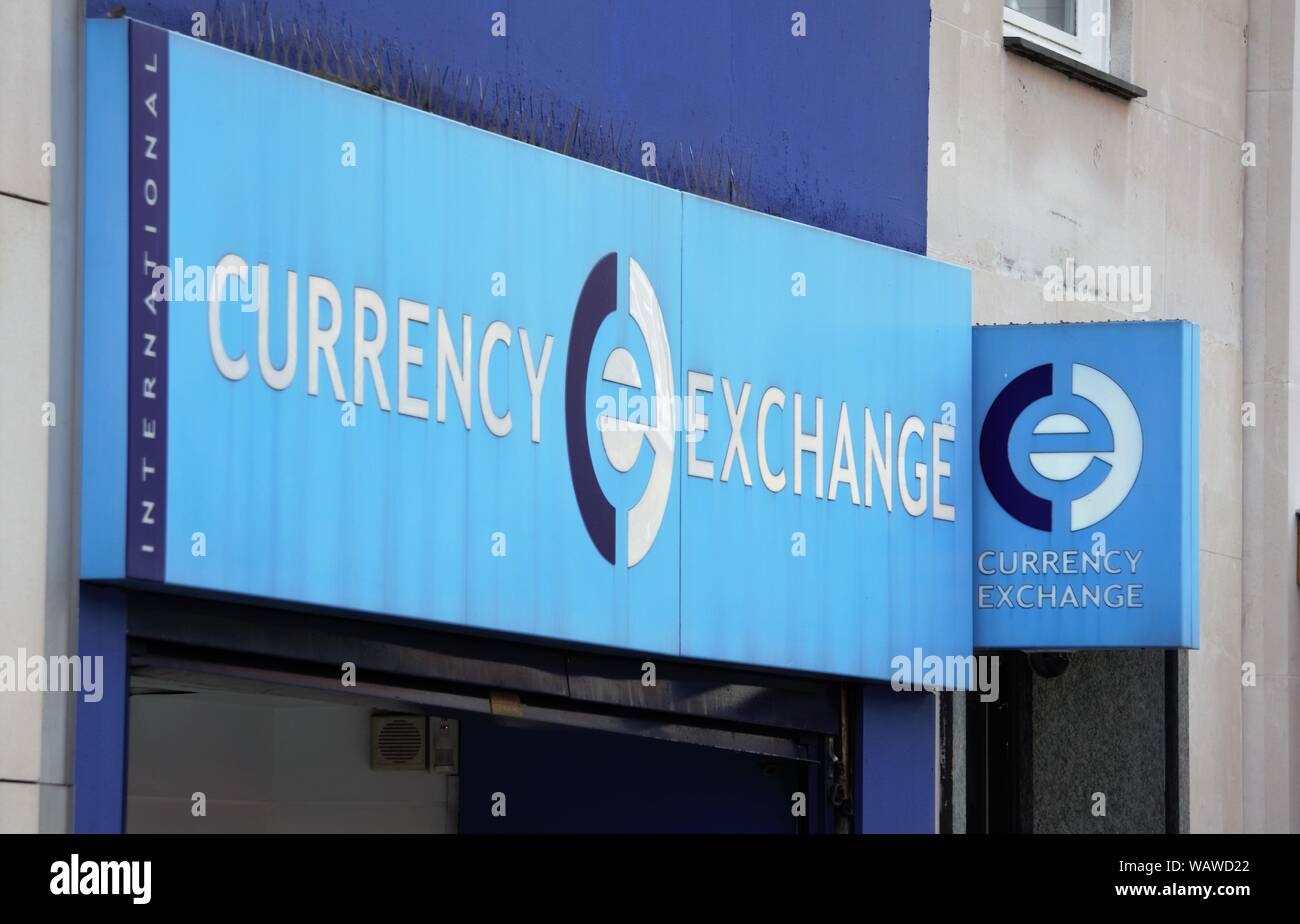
836 122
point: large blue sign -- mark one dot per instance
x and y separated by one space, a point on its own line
1086 525
416 369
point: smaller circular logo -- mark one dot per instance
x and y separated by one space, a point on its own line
1062 447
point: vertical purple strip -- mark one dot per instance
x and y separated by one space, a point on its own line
598 300
146 521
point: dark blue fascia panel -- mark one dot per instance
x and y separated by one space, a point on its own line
836 122
99 752
894 781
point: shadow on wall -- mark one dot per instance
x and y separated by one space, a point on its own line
828 127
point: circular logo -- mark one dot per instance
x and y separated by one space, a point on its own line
1063 448
622 440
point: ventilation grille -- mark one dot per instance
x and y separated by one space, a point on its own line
399 742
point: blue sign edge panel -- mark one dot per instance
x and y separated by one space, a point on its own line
104 303
1189 486
1191 473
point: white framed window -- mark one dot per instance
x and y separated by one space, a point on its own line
1078 29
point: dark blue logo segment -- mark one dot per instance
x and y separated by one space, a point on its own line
598 300
995 460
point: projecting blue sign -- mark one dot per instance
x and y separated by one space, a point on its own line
396 365
1086 524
